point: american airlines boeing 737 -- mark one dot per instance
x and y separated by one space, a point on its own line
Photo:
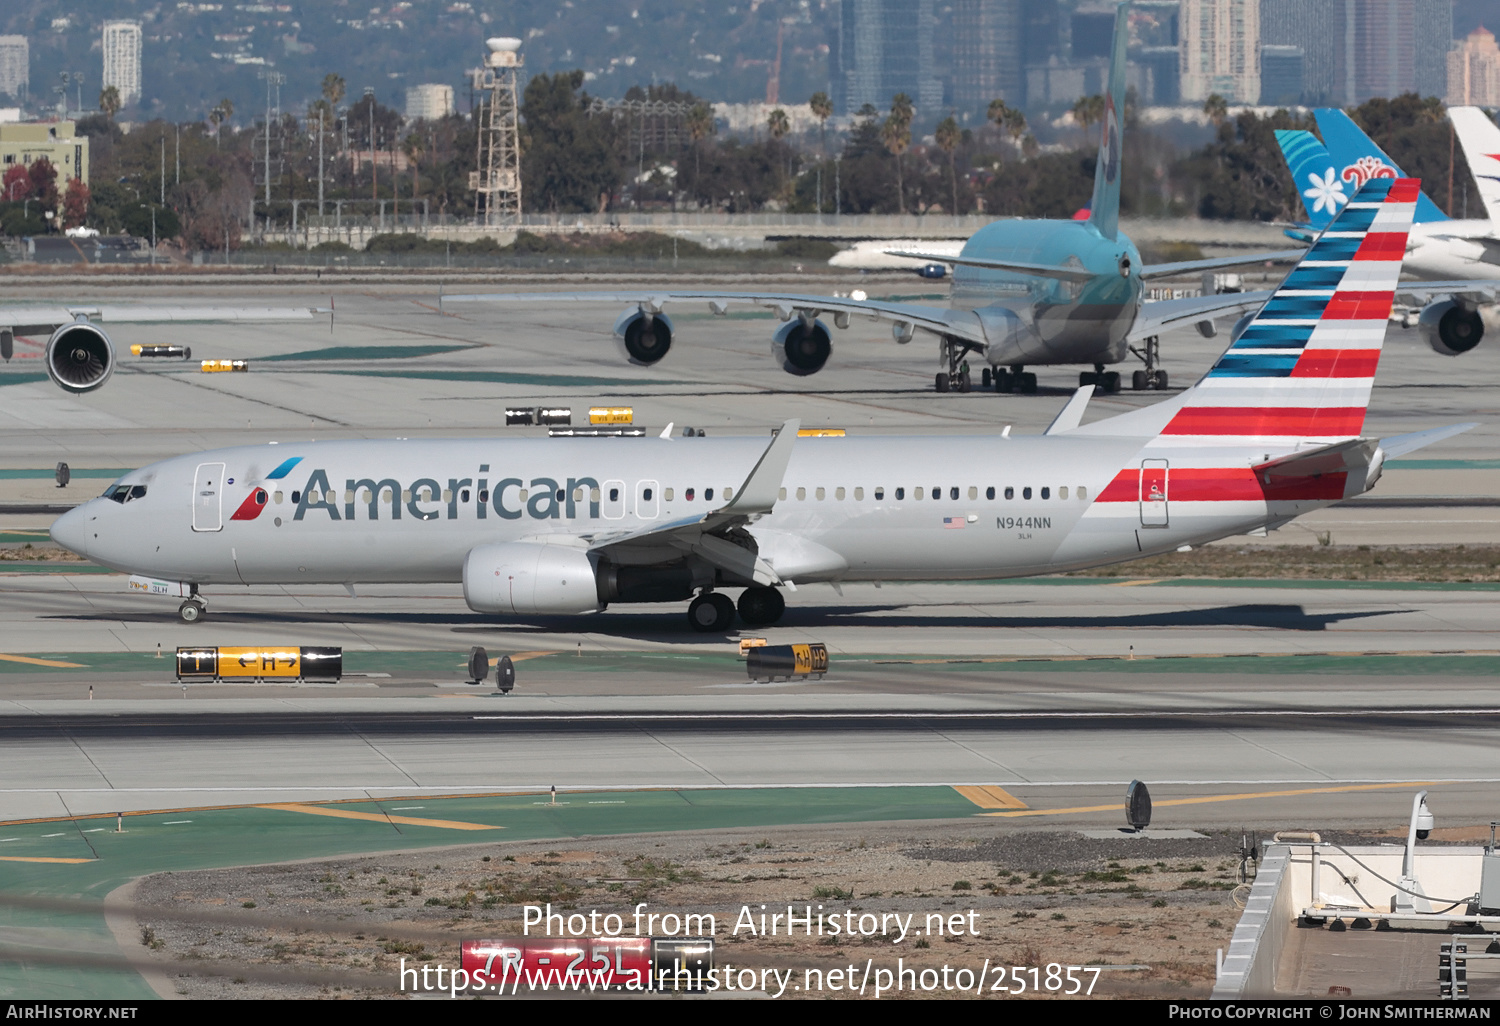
558 526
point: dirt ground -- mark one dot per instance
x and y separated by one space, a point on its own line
1149 913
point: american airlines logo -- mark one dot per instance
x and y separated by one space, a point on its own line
427 498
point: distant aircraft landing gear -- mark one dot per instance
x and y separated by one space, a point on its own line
1153 377
193 610
1014 379
1107 382
711 613
952 354
759 606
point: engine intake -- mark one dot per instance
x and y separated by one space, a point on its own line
644 338
802 348
1451 329
523 578
80 357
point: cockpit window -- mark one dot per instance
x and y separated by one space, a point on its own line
124 493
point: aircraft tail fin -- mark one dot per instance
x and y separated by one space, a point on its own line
1358 159
1301 371
1104 208
1323 193
1481 142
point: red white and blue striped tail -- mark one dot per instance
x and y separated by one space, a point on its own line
1303 368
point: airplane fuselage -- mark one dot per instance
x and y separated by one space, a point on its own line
851 508
1070 321
1450 250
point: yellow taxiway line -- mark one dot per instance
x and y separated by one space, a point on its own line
1211 798
376 817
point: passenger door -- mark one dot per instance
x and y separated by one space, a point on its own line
1154 511
208 497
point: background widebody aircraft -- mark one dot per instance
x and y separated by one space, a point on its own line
537 527
1025 293
1455 305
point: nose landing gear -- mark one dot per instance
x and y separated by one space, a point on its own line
193 610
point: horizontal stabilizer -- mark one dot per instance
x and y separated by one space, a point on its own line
1353 454
1215 263
1400 445
1015 267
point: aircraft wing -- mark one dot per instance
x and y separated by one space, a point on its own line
1061 271
37 319
1474 292
716 536
959 324
1157 317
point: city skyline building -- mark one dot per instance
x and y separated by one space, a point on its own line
428 102
15 66
884 48
121 45
1474 71
1220 50
987 54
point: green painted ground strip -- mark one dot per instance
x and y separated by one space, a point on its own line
218 838
364 353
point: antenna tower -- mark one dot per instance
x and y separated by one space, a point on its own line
498 180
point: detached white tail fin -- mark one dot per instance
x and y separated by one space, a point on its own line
1481 142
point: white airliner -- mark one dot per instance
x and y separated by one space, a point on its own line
558 526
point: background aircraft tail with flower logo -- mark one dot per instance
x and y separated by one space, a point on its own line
1456 307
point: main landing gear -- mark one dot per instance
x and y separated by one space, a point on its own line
1107 382
952 355
1153 377
1010 379
713 613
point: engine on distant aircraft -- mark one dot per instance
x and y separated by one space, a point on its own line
530 577
1452 329
932 271
644 336
80 357
802 347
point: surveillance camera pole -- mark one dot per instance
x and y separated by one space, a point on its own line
1411 898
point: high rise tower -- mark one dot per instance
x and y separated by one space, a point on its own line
122 59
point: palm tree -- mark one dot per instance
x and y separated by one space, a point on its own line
778 124
822 109
1015 125
109 101
948 135
998 112
1217 109
414 147
1088 110
700 125
896 135
220 114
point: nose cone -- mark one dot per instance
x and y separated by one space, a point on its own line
71 530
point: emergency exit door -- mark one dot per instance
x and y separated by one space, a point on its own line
1154 493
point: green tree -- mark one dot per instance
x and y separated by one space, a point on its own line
1217 109
109 102
570 162
948 135
895 134
822 109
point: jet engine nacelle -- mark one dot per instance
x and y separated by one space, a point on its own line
1451 329
643 337
802 348
530 578
80 357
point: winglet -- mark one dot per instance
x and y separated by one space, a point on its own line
761 489
1071 415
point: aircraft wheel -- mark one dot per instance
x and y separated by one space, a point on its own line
1111 382
942 382
190 611
1161 380
984 377
1028 383
1087 378
759 606
965 383
1004 381
1138 381
711 614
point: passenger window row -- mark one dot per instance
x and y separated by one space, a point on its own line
937 492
